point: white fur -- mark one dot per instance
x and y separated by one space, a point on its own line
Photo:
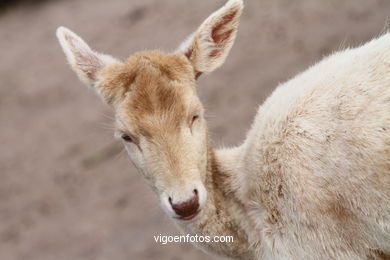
324 136
312 178
203 45
81 57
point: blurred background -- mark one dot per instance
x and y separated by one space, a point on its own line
67 190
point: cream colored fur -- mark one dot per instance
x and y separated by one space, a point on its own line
201 43
310 181
314 170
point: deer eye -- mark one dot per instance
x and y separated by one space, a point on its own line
195 117
126 138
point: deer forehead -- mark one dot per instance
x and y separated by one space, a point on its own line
158 92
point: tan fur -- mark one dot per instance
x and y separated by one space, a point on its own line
310 181
154 84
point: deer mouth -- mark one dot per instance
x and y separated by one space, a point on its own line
189 217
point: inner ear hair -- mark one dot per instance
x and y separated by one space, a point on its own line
209 46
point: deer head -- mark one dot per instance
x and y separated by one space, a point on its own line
158 114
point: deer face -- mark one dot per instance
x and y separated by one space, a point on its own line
160 121
159 117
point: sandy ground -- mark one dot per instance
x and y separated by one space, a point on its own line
66 189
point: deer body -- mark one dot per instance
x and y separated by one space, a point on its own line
310 181
315 166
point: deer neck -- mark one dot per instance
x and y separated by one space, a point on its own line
223 214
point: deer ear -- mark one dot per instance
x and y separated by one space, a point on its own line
209 46
85 62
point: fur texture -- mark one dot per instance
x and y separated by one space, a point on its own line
310 181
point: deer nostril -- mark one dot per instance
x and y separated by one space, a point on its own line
187 208
196 192
170 200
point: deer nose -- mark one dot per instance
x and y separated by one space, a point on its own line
187 210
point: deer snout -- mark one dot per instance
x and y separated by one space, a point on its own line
186 210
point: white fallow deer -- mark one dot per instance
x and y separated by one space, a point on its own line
310 181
